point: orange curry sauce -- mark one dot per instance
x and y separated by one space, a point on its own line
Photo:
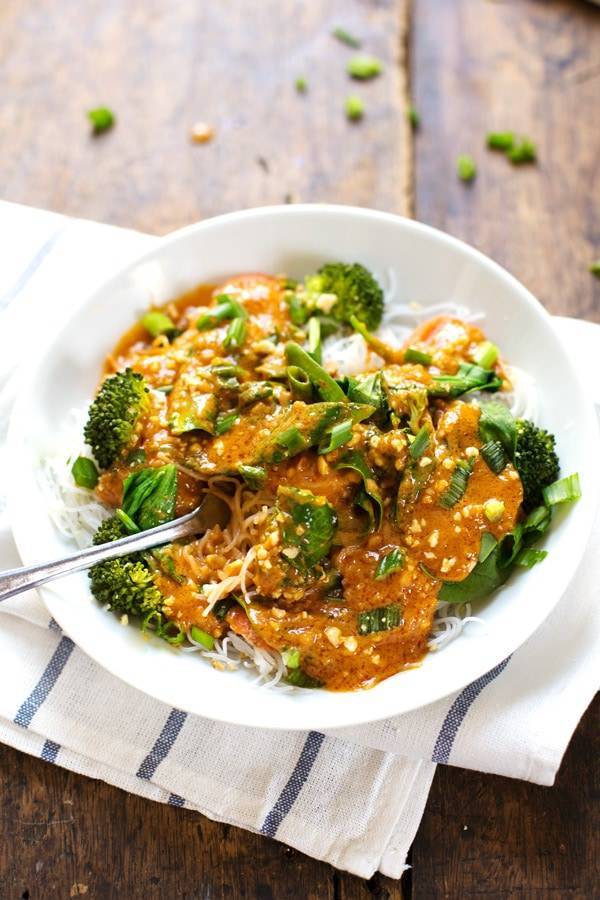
290 612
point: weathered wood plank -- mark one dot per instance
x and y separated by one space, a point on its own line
533 68
163 67
485 836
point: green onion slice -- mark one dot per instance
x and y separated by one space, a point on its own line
300 383
291 658
254 476
420 443
225 422
384 618
339 435
323 383
390 563
413 355
202 637
157 323
486 355
298 678
495 457
565 490
236 334
530 557
314 339
458 484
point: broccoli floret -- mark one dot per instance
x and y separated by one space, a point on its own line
535 460
113 415
126 584
357 292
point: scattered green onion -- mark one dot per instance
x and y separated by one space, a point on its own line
530 557
299 383
493 454
420 443
291 658
157 323
292 440
102 118
202 637
354 107
523 152
314 338
165 388
254 476
339 435
300 679
466 168
346 38
236 334
301 85
486 355
458 484
225 422
227 308
85 472
413 355
384 618
414 119
595 268
364 67
565 490
500 140
324 384
390 563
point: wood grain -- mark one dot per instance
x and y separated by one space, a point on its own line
164 66
475 66
533 68
485 836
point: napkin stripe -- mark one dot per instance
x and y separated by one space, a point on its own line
295 783
49 751
175 800
163 744
50 676
459 709
31 268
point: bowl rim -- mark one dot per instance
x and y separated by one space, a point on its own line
452 685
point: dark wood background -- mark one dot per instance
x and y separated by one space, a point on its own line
470 66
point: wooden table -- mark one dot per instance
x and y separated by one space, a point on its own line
469 66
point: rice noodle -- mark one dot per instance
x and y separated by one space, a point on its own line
77 514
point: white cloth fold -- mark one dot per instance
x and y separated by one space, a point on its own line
353 798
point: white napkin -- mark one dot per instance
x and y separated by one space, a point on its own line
354 798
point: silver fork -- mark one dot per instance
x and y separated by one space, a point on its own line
212 511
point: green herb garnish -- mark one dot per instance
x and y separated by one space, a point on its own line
413 355
301 85
157 323
390 563
466 168
354 107
458 484
384 618
102 118
346 38
414 119
364 67
500 140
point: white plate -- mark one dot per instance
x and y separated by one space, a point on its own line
429 267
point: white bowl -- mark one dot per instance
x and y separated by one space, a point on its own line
429 267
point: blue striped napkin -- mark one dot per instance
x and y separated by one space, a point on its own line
352 798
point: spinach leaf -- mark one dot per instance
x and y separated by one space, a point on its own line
149 496
497 559
309 526
353 459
